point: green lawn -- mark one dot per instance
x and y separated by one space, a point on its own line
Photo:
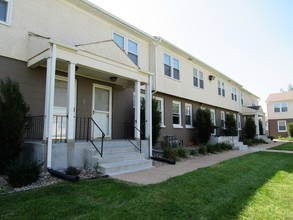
254 186
286 146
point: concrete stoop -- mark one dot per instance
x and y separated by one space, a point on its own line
119 157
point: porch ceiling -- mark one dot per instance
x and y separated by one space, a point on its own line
253 111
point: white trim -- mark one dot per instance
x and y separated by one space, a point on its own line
162 110
239 126
278 122
214 121
191 118
137 115
180 115
110 104
9 13
223 118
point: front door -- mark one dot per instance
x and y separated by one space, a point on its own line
102 105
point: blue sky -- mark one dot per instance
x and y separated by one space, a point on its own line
251 41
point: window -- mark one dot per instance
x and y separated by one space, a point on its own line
239 122
176 69
198 79
188 115
223 119
213 118
221 88
241 99
5 11
132 47
133 51
176 114
282 126
281 107
171 69
234 94
161 109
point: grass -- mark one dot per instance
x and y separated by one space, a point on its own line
254 186
287 146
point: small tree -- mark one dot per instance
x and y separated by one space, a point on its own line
250 128
204 125
14 120
156 119
231 126
290 129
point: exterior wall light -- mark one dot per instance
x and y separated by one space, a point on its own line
211 77
113 78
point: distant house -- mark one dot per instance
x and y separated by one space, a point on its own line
83 72
280 113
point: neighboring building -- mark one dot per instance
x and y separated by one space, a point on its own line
78 66
280 113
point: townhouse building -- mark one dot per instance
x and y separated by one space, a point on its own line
279 107
83 71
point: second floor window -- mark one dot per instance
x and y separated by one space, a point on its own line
5 11
198 79
171 67
233 94
281 107
131 49
221 88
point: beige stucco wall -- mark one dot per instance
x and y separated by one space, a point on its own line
70 22
184 87
280 115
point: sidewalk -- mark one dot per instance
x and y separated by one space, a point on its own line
159 174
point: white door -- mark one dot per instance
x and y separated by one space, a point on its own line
102 105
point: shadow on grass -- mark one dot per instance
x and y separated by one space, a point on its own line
218 192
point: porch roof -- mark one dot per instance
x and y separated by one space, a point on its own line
252 110
100 60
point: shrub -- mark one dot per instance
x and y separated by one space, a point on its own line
210 148
204 125
156 119
181 152
290 129
22 174
14 120
193 152
72 171
202 150
231 125
170 153
225 146
250 128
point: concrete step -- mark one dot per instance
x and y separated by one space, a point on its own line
117 157
117 168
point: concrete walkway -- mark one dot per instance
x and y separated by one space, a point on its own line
159 174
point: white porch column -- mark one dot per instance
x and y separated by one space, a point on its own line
264 125
137 109
51 85
257 124
148 113
70 102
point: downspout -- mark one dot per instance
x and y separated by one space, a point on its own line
156 42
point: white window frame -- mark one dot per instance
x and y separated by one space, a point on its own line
213 118
188 105
241 99
223 118
172 67
125 44
9 13
279 106
221 88
179 125
201 79
282 121
234 94
161 101
239 122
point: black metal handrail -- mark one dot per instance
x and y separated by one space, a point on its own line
36 127
127 136
103 136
